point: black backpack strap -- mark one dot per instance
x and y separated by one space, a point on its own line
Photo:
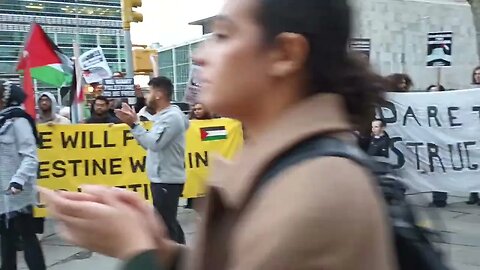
321 146
314 148
414 248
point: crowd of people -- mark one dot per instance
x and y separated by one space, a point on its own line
283 71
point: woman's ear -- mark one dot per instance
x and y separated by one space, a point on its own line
290 54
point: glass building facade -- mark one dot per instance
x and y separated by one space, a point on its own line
91 22
174 62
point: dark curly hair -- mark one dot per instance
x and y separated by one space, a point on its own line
473 75
440 87
397 78
326 25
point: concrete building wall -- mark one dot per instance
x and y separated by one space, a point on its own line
392 23
388 22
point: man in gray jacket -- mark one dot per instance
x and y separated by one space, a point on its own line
165 145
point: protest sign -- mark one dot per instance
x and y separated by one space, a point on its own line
193 87
361 46
439 49
94 66
434 139
75 155
119 88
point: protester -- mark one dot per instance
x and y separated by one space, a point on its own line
363 141
165 145
380 141
114 104
47 105
476 76
141 100
439 198
146 113
283 70
65 112
400 82
118 74
100 112
436 88
199 112
473 199
18 175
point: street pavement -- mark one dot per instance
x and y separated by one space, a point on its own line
458 224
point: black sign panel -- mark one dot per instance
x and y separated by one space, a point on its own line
362 46
118 88
439 49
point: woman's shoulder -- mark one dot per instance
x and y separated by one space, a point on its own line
328 182
331 198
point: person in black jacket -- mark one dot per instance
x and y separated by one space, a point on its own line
439 198
380 141
141 100
100 113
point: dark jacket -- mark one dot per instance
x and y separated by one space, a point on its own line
141 102
108 119
379 146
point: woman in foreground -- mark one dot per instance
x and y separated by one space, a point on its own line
280 67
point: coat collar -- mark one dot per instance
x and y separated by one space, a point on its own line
322 113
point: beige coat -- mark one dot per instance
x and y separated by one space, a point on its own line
322 214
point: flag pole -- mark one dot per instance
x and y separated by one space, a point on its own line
78 96
76 111
35 90
59 96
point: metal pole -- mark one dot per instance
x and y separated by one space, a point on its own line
404 48
128 50
59 97
78 106
35 87
174 61
439 76
119 61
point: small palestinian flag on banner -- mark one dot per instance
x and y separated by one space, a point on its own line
213 133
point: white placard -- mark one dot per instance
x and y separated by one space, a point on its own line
95 66
193 86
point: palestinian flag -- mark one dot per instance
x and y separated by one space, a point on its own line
44 59
213 133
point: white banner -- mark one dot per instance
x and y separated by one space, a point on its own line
95 66
435 139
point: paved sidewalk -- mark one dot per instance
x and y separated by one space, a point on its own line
458 223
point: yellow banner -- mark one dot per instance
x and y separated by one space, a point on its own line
75 155
205 139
